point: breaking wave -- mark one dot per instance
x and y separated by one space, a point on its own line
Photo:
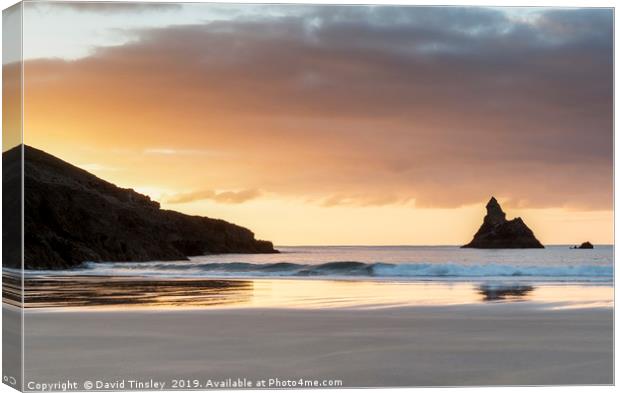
350 269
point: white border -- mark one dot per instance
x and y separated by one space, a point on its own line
522 3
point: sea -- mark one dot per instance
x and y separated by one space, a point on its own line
406 263
328 277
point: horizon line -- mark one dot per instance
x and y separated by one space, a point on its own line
427 245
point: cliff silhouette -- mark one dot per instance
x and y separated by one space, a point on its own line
72 216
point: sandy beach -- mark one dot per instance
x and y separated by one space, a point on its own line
487 344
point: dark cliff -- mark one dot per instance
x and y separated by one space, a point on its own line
72 216
497 232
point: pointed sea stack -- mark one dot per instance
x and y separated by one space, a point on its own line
497 232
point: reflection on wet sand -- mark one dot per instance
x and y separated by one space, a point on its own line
92 291
44 290
11 289
505 292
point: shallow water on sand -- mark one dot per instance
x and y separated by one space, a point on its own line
99 292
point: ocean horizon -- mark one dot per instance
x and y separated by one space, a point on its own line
396 263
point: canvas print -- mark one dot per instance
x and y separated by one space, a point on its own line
215 195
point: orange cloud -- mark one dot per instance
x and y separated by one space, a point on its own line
383 107
365 200
220 197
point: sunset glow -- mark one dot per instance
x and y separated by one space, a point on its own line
335 125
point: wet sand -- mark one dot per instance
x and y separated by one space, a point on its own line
480 344
123 292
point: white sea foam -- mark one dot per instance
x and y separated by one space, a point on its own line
348 269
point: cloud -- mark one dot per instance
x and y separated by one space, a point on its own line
113 6
444 106
364 200
231 197
164 151
94 167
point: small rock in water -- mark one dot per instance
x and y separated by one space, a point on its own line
585 246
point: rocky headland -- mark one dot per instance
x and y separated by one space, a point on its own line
497 232
72 216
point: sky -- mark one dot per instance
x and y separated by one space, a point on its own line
334 124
